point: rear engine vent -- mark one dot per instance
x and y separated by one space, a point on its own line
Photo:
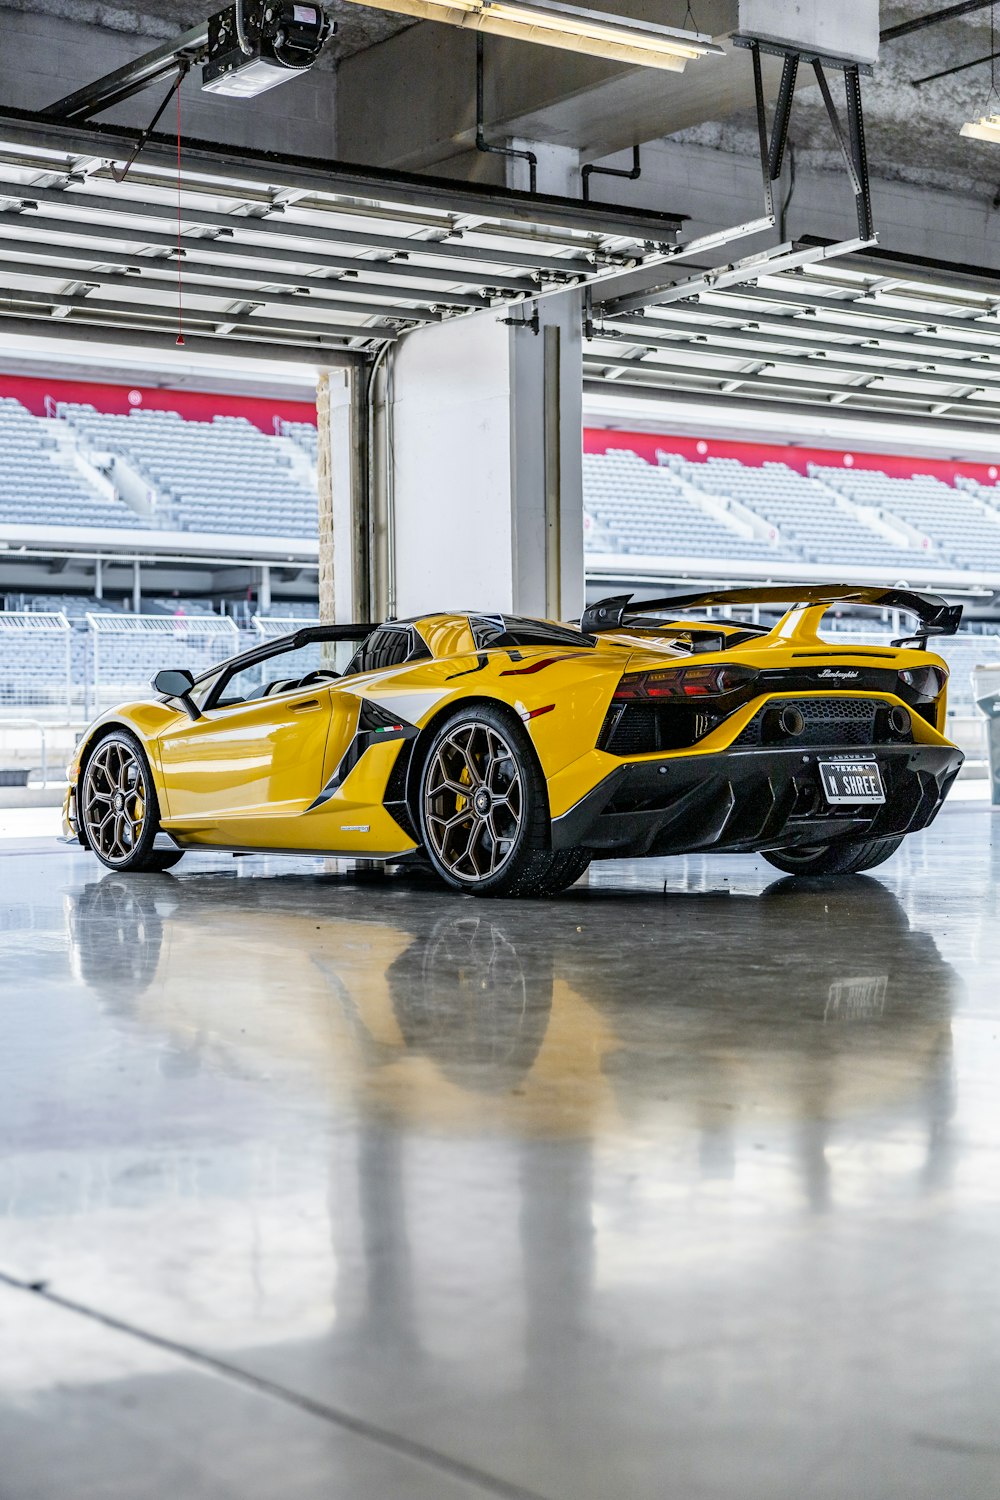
641 729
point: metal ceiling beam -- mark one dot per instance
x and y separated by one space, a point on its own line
281 230
767 263
115 88
149 339
240 277
715 401
232 250
919 270
166 284
404 189
750 347
798 331
880 311
21 301
974 62
679 370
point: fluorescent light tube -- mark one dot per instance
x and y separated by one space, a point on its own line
553 24
985 129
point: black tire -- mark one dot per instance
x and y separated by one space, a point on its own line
483 807
568 866
118 808
848 858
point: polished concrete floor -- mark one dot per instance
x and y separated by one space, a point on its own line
317 1184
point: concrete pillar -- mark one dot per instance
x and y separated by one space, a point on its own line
479 452
485 436
342 478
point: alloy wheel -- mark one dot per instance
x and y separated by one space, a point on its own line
114 801
473 801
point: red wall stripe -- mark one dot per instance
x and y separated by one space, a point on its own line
646 445
115 400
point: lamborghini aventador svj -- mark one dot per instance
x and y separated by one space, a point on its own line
509 753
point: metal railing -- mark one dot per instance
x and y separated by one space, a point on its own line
36 664
125 650
274 626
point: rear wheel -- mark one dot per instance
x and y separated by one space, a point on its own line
568 866
848 858
484 809
118 807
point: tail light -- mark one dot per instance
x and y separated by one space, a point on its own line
682 682
925 683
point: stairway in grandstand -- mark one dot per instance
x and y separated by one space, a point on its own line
40 484
218 476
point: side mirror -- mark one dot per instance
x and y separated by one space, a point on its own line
177 684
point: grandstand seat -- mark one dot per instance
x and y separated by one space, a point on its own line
643 509
37 488
223 476
804 510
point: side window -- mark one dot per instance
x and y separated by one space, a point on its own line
389 646
282 673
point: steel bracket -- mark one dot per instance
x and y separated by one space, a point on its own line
852 144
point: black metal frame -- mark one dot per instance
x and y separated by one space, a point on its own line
772 145
114 88
408 189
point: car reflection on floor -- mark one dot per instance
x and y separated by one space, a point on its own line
603 1013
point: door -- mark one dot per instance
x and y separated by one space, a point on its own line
246 771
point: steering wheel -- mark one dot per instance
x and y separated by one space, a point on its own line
320 675
279 685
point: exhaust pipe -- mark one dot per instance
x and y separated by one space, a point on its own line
900 721
790 722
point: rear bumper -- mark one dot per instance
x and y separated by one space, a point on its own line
741 801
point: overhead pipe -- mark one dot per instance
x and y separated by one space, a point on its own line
933 18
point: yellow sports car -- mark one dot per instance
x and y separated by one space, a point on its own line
508 753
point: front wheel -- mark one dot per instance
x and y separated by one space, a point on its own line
484 813
119 811
848 858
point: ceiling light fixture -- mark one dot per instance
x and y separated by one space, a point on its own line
987 127
553 24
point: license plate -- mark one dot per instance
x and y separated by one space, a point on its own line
851 781
858 999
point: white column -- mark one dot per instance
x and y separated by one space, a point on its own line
485 438
344 542
486 435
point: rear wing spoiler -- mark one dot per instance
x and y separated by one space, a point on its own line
936 615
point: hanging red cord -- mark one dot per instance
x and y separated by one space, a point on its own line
180 252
